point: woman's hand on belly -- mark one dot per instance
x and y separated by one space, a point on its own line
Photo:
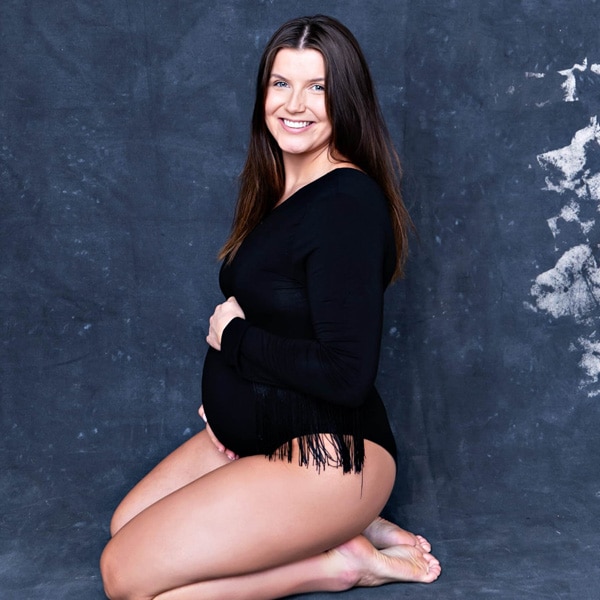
224 313
230 454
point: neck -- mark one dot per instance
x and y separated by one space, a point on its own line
301 170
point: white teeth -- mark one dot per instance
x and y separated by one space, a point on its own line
296 124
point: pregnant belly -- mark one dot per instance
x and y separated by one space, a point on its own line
230 405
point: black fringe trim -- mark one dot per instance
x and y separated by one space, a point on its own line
327 434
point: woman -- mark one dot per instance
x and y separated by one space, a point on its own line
281 494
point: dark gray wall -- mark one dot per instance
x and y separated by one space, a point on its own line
123 126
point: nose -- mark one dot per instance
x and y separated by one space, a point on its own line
295 103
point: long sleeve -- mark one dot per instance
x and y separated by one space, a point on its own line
346 242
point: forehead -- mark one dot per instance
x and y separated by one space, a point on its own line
306 63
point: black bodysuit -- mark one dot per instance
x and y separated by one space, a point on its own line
310 280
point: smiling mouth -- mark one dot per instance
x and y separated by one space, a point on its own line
296 124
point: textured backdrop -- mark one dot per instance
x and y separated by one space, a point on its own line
123 126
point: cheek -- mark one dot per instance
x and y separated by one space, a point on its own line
270 104
322 112
269 109
326 122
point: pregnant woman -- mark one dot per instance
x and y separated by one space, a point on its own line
280 493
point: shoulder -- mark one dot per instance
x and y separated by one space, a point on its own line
348 192
347 215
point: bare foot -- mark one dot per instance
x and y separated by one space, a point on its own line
365 566
383 534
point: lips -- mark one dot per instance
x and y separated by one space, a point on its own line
296 124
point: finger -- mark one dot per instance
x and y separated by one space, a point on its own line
212 342
230 454
202 413
213 438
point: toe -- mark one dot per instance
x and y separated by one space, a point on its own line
425 545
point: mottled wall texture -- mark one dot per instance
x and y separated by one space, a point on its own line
123 126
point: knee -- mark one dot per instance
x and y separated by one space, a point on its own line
114 578
109 574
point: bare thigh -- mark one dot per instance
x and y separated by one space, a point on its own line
253 514
193 459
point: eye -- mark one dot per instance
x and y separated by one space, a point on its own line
279 84
317 87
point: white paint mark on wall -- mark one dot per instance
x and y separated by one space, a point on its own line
570 84
570 214
590 360
571 289
569 164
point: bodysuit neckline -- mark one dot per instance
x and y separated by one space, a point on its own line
311 183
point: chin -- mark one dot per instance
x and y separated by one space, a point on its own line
295 151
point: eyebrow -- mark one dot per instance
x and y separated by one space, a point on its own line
277 76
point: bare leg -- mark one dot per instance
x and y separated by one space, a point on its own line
198 456
355 563
190 461
273 513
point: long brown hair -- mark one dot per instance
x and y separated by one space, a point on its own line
359 133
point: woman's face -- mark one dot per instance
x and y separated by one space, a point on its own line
295 111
